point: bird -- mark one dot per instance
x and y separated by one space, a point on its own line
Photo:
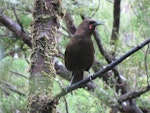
79 53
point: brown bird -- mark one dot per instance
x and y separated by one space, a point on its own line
79 54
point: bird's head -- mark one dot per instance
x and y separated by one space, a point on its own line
88 26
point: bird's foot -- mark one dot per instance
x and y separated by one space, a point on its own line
71 80
67 89
91 75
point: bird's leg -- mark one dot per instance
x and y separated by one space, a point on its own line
70 84
90 75
71 79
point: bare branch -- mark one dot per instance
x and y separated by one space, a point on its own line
70 24
16 29
134 94
100 73
105 54
64 73
12 88
116 20
61 86
19 74
96 9
12 52
146 65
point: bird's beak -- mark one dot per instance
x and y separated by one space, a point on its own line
98 23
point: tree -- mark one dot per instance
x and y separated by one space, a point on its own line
44 52
46 22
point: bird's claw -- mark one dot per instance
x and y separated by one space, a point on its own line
91 75
67 89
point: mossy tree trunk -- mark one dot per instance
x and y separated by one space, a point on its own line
46 14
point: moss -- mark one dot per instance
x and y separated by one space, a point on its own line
46 22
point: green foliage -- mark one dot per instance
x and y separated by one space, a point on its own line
134 28
26 20
143 15
80 6
12 101
81 101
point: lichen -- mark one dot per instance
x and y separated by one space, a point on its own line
44 28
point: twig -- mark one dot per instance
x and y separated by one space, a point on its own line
116 20
11 36
14 10
12 88
70 24
65 74
16 73
12 52
105 54
146 65
134 94
16 29
110 1
65 30
60 85
99 73
96 8
25 54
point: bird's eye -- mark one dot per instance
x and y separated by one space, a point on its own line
91 24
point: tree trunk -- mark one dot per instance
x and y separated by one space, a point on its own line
116 20
44 29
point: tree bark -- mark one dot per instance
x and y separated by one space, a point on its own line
44 29
16 29
116 20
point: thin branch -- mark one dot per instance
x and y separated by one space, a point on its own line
70 24
12 88
110 1
70 35
11 36
65 74
16 29
96 9
14 10
12 52
19 74
26 57
146 65
105 54
134 94
61 86
109 59
99 73
116 20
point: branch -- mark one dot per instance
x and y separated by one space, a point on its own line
16 29
99 73
96 9
116 20
134 94
12 88
61 87
65 74
19 74
146 65
12 52
105 54
70 24
109 59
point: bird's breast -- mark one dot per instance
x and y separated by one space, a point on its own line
84 54
79 54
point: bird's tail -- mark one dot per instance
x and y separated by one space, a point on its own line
76 76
